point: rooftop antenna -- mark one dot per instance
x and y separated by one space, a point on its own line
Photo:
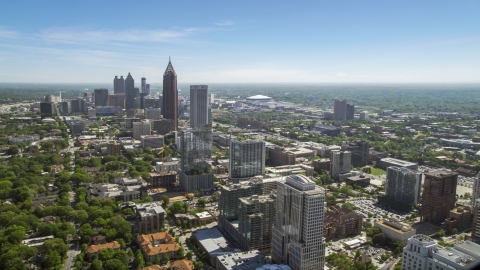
169 58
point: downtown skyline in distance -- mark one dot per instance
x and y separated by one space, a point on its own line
248 42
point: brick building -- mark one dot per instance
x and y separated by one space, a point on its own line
341 223
438 196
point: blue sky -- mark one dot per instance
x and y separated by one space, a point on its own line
241 41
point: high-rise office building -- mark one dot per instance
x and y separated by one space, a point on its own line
144 85
78 105
130 93
350 112
147 89
198 105
340 110
247 158
297 237
170 95
143 127
66 109
340 162
360 151
476 189
476 222
153 113
196 150
228 202
119 85
47 109
101 97
141 100
117 100
403 185
438 197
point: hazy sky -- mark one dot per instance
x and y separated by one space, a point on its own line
241 41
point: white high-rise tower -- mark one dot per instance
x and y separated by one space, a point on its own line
297 237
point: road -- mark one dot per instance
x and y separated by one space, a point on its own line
73 251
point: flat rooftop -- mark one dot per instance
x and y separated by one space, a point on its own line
213 242
242 260
398 162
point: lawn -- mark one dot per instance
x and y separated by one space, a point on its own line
377 171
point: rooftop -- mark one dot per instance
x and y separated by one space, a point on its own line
97 248
242 260
213 241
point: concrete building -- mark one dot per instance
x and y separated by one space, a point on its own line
173 165
212 242
77 128
163 126
395 230
198 105
153 113
24 138
247 158
101 97
166 180
350 112
280 156
438 196
364 115
108 111
423 253
130 93
340 162
141 128
358 180
47 109
476 222
252 259
153 141
78 105
256 217
389 162
459 218
290 169
403 185
170 95
149 217
476 190
340 110
228 202
360 151
117 100
65 107
341 223
297 235
119 85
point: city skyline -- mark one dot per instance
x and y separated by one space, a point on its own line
343 42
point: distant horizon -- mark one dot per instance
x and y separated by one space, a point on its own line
286 83
347 42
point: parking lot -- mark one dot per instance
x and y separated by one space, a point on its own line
366 206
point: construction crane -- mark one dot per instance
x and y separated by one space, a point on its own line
160 152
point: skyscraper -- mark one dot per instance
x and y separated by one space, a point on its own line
170 95
147 89
247 158
198 105
119 85
340 110
476 189
438 196
130 93
144 85
476 222
196 150
101 97
340 162
350 112
298 230
403 185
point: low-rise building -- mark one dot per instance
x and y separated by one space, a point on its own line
163 179
157 244
287 170
152 141
167 166
459 218
242 260
395 230
212 242
149 217
94 249
393 162
358 180
341 223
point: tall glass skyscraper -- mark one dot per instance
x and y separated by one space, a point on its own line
247 158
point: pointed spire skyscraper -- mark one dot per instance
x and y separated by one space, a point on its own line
170 95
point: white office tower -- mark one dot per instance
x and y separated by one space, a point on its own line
476 189
141 128
198 105
403 185
297 238
423 253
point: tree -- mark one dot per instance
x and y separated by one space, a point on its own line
360 266
52 260
165 200
82 216
139 260
379 239
202 202
455 231
157 259
165 258
96 265
128 212
189 255
106 254
56 245
441 233
122 256
114 264
198 265
180 253
12 150
350 206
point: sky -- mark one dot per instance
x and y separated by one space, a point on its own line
241 41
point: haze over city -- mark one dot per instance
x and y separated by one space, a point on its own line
266 41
